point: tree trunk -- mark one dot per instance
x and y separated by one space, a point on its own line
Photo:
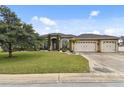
10 50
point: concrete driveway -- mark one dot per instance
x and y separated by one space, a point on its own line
106 62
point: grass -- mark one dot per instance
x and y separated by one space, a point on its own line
42 62
0 49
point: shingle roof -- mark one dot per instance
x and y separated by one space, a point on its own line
95 36
61 34
83 36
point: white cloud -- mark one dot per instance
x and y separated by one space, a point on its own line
108 26
47 21
94 32
114 31
35 18
94 13
43 33
57 30
47 28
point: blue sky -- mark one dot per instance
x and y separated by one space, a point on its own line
73 19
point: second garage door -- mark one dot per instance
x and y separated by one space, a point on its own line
85 46
108 46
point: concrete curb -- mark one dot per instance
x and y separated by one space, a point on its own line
91 65
60 78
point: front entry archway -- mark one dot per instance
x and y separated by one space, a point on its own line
54 44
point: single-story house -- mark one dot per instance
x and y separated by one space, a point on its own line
82 43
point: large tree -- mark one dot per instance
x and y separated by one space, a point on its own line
16 35
10 25
27 38
34 40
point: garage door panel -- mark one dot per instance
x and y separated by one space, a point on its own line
108 46
85 46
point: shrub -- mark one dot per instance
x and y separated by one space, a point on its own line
64 49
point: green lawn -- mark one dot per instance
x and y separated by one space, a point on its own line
0 49
42 62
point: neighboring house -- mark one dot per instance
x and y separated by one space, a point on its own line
121 49
121 41
121 44
83 42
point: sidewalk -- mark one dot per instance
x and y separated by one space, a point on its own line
60 78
